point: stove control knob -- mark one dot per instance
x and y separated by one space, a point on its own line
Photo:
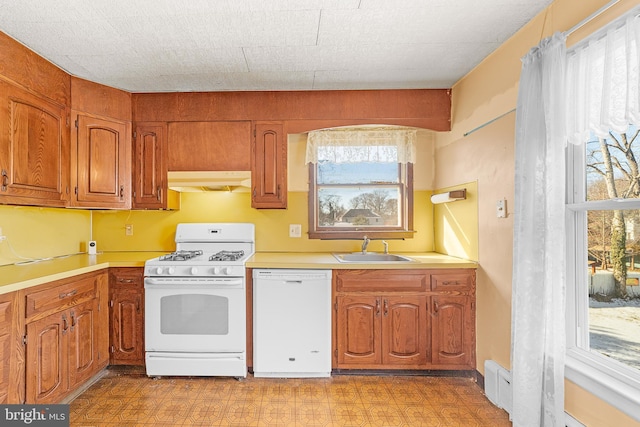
216 270
194 270
159 271
224 270
171 270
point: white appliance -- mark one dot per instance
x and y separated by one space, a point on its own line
195 302
291 323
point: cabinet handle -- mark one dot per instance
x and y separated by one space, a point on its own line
159 193
73 320
121 192
278 191
68 294
435 307
377 307
452 283
138 305
386 307
254 192
5 180
122 280
65 325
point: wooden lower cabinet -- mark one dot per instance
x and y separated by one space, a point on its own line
453 338
126 303
387 330
407 325
65 325
12 366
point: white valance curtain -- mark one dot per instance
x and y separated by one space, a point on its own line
538 289
362 145
603 74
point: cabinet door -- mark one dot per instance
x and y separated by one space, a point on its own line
47 358
103 163
83 343
358 330
34 149
11 367
149 166
404 330
269 166
127 328
127 316
453 331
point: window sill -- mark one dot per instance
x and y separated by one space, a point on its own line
603 381
359 234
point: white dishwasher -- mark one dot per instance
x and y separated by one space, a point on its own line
291 323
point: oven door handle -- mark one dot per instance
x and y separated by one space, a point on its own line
220 283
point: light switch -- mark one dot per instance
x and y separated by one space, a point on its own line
501 208
295 230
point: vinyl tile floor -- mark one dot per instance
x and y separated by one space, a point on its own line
126 398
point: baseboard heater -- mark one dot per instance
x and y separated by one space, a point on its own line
497 388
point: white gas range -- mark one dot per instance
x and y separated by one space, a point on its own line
195 302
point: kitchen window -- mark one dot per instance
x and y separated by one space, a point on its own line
361 183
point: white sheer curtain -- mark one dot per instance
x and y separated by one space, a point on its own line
538 301
351 145
602 81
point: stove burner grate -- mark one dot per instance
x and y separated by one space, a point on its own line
227 256
180 255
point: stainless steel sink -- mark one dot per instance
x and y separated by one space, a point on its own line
372 258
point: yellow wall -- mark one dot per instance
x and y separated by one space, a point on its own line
486 157
154 231
456 224
34 232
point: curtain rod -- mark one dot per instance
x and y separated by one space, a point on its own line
590 18
488 123
567 33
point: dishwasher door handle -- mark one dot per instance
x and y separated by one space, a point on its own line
298 282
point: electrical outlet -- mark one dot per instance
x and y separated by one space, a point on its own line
2 236
295 230
128 229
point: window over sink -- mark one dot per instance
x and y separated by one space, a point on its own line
361 183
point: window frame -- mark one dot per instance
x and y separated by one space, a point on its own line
406 205
608 379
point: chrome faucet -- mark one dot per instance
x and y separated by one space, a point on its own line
365 243
386 247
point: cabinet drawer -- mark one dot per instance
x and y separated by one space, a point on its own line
381 280
60 297
126 278
460 281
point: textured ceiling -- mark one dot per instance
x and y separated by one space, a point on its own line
252 45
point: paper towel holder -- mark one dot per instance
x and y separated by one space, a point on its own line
449 196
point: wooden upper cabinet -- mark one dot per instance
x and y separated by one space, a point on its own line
209 146
269 166
150 168
34 149
102 158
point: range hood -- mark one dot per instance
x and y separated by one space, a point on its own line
199 181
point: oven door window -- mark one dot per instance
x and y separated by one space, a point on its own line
194 314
